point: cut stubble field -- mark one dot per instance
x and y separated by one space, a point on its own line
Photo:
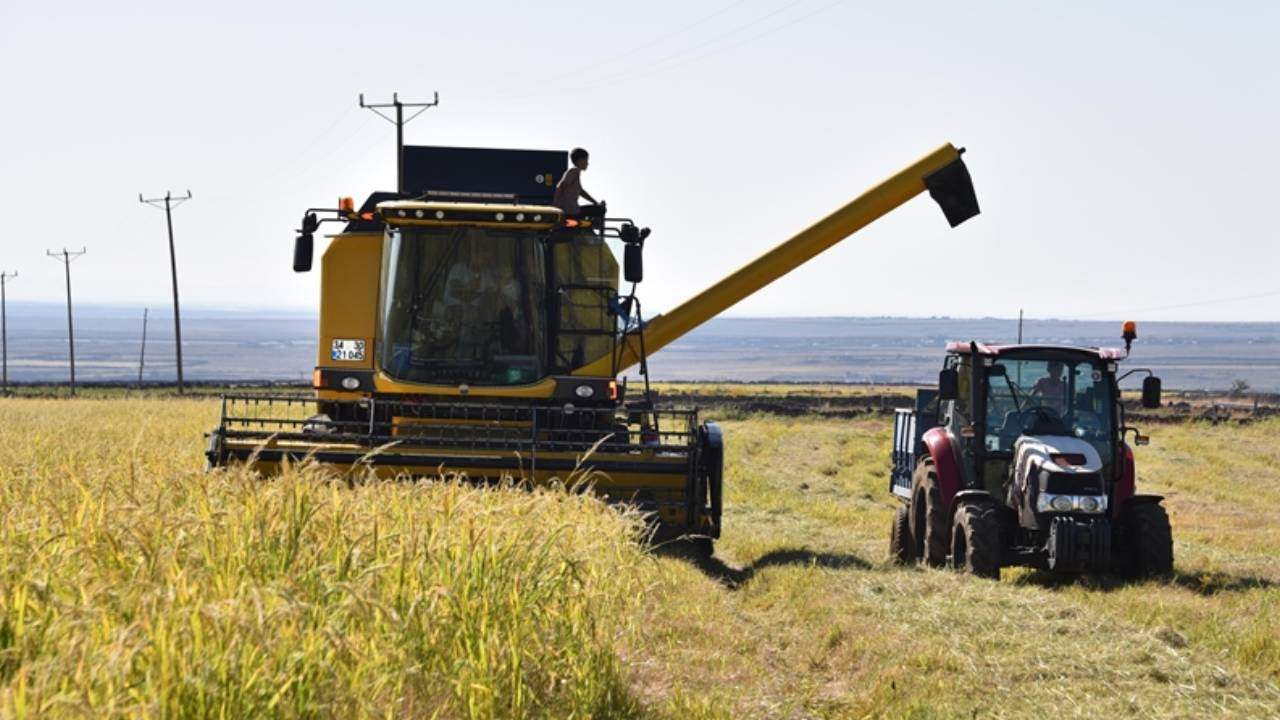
134 584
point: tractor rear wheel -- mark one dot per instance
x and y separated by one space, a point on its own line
928 521
902 550
1150 540
975 541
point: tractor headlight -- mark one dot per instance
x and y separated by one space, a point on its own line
1092 504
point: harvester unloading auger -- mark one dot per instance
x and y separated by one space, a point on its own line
467 326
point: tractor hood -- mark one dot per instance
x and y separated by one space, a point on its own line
1059 453
1055 474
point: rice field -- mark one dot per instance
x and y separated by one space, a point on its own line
133 584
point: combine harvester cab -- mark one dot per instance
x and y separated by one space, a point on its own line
1019 458
468 328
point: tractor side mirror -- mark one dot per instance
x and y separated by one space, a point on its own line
1151 392
304 244
633 263
948 384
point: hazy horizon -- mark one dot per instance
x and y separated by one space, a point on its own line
261 345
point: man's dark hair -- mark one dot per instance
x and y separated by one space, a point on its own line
578 154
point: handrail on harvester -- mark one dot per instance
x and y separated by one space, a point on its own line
942 172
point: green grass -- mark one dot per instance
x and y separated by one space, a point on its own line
134 584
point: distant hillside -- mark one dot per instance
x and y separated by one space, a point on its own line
280 346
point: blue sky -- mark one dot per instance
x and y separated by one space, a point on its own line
1125 154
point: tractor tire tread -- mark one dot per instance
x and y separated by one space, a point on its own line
901 546
933 541
1150 540
981 528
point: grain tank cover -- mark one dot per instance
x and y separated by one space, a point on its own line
523 176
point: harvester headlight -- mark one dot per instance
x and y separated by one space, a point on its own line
537 218
1089 504
498 217
439 214
350 383
401 213
584 391
1061 503
519 217
419 213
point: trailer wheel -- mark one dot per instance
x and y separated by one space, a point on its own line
929 529
1150 540
902 549
975 541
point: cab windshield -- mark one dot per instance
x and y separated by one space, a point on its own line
463 305
1069 396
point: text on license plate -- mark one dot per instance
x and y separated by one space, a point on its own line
349 350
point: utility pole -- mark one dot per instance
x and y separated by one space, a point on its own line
1019 326
171 202
142 356
4 330
66 257
400 121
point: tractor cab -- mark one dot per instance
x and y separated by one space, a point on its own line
1008 396
1037 432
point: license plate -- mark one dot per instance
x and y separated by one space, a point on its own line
347 350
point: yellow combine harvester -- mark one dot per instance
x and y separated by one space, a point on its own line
467 326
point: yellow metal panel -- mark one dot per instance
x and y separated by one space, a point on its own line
350 274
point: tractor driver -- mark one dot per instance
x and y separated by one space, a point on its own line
1051 387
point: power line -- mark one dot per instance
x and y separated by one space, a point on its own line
66 257
171 202
4 330
399 121
679 57
685 29
1179 306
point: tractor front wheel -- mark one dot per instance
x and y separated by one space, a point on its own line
1150 541
975 541
901 546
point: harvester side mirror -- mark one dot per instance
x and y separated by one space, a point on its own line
303 248
948 384
1151 392
304 244
633 263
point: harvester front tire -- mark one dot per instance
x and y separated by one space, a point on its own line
929 529
902 549
1150 541
975 541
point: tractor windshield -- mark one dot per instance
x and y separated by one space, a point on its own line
1070 396
463 305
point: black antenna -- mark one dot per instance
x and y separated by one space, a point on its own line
66 257
4 332
400 121
171 202
1019 326
142 356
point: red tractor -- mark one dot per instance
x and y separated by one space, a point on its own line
1020 458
